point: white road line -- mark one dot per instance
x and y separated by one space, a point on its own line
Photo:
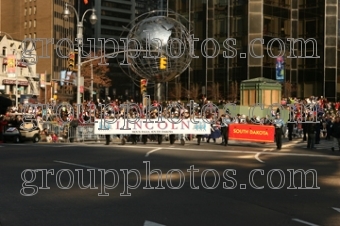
336 209
251 152
257 157
304 222
53 146
150 223
157 149
228 151
73 164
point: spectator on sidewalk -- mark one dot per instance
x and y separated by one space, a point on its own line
54 137
310 127
336 132
3 125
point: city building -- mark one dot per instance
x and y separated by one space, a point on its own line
268 20
115 17
17 78
44 20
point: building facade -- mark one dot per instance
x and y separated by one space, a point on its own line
42 20
115 17
314 70
16 78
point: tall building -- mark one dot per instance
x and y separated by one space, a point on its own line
115 17
245 20
44 20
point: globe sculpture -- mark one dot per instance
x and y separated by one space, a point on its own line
158 49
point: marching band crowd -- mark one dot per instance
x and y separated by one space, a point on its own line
323 120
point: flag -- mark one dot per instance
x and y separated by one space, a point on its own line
42 80
86 2
62 77
11 64
280 69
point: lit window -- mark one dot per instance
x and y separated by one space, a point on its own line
25 25
34 35
34 10
25 12
29 24
34 23
30 11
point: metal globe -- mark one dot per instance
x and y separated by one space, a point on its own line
155 38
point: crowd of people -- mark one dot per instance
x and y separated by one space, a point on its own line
323 112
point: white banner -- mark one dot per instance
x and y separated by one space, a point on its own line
145 126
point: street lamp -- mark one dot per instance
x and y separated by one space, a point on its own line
16 76
93 20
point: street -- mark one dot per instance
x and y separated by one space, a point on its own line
208 184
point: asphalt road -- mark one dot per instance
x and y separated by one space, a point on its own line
221 197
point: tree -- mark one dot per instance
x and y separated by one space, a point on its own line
233 90
287 89
177 91
194 91
100 78
215 91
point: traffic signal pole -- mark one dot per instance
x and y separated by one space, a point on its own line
143 88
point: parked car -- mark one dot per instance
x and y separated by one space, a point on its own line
27 133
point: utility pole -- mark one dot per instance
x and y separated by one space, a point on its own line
91 95
45 88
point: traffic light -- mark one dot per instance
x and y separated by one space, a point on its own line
75 68
143 84
163 62
71 61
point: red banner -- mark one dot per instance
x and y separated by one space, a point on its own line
249 132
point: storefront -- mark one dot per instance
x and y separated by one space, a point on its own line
8 86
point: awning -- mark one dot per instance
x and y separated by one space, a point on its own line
13 82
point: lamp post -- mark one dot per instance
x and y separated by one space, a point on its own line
93 20
91 95
16 76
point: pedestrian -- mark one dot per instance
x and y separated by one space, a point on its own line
328 128
107 138
318 126
54 138
310 126
278 124
290 129
304 127
336 132
225 121
215 132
